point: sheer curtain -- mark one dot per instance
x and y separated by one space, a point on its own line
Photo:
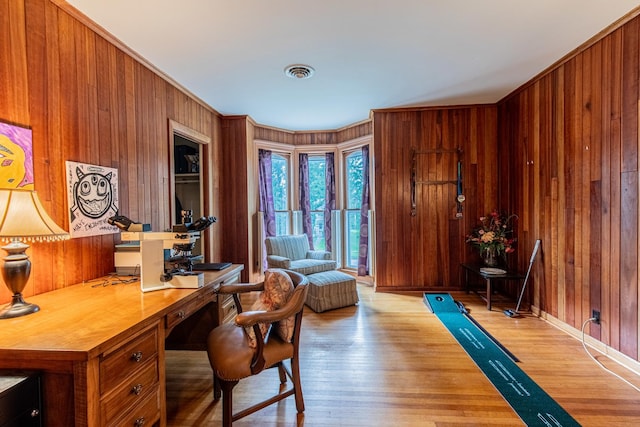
266 199
305 200
329 197
363 253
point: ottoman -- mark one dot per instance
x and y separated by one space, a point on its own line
331 289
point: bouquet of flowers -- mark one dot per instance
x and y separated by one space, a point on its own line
495 234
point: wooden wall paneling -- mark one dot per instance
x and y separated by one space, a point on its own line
235 214
583 169
594 229
582 118
424 251
214 198
348 133
355 131
380 162
160 184
540 228
400 154
94 122
629 192
62 109
559 257
142 92
603 300
629 265
132 159
615 187
14 84
101 141
570 203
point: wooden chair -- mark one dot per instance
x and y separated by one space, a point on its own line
233 358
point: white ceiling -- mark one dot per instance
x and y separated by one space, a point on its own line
368 54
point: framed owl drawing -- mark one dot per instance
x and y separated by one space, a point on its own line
93 198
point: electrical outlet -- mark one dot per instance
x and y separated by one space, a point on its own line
595 314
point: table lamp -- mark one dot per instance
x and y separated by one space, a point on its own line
22 218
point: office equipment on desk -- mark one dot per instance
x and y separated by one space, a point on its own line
155 276
211 266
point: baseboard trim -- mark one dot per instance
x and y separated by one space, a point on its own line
412 290
613 354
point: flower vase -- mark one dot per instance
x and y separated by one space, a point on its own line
490 256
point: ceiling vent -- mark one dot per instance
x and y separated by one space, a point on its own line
299 71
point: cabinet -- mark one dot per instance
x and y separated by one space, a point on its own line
101 350
20 400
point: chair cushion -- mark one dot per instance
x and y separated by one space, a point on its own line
289 246
278 287
311 266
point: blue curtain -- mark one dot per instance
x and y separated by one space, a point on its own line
329 197
305 199
266 199
363 259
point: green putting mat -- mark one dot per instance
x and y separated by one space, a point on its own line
532 404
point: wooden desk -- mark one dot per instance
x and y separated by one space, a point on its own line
101 349
489 278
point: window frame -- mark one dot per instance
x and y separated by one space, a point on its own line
339 150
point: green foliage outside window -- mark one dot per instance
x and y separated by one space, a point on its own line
317 188
280 188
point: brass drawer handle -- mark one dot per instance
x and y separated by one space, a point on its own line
137 356
139 422
35 413
136 389
181 314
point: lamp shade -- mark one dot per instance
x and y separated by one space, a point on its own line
23 217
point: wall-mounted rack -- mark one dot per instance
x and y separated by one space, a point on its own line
457 182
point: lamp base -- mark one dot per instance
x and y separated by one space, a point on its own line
18 307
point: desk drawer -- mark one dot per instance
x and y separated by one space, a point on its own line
228 309
180 313
145 414
131 392
126 360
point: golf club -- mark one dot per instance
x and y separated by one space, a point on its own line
514 313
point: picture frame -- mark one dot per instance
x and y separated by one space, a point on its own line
16 157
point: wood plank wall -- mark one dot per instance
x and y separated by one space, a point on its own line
424 252
87 100
570 138
238 171
338 136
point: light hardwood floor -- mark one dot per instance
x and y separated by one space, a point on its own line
390 362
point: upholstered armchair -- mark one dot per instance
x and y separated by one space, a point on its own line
292 252
262 338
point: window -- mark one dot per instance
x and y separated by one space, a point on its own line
280 188
345 218
353 196
317 185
